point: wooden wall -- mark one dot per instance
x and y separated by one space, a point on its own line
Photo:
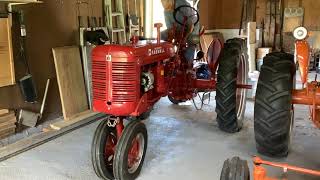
51 24
225 14
218 14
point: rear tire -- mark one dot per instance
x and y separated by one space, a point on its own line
230 101
174 101
235 169
273 112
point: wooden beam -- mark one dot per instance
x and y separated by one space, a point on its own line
38 139
3 111
20 1
81 116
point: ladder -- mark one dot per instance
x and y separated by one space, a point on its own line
113 10
134 26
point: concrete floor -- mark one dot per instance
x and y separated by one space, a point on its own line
184 144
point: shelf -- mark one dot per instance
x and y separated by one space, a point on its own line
20 1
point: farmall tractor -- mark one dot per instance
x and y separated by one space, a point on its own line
129 79
274 112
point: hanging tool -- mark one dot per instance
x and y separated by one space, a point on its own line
29 118
262 33
242 13
281 23
27 86
275 24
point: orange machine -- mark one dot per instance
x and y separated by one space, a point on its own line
310 92
276 94
260 173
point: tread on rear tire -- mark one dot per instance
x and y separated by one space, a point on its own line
273 105
229 116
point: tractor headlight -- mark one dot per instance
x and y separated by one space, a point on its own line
300 33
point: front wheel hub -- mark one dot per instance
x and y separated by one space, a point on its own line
135 153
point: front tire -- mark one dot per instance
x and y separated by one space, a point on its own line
102 150
130 151
230 100
235 169
273 111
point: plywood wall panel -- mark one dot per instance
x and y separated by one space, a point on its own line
311 14
217 14
70 80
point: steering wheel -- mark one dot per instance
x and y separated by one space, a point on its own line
186 13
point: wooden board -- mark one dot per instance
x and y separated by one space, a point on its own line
252 57
35 140
252 26
8 123
70 80
21 1
7 75
62 124
311 19
7 128
7 117
3 111
8 133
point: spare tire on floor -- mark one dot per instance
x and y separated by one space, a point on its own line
235 169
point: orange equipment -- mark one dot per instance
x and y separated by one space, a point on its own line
310 94
236 168
260 173
274 85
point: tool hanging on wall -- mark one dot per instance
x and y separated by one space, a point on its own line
29 118
27 85
281 24
242 14
275 25
248 14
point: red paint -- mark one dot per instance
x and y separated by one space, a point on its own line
119 128
116 73
133 155
158 27
117 69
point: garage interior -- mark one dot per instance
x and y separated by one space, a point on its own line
52 53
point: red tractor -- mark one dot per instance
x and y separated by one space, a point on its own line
129 79
274 111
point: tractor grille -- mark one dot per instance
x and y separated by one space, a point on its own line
99 79
124 82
